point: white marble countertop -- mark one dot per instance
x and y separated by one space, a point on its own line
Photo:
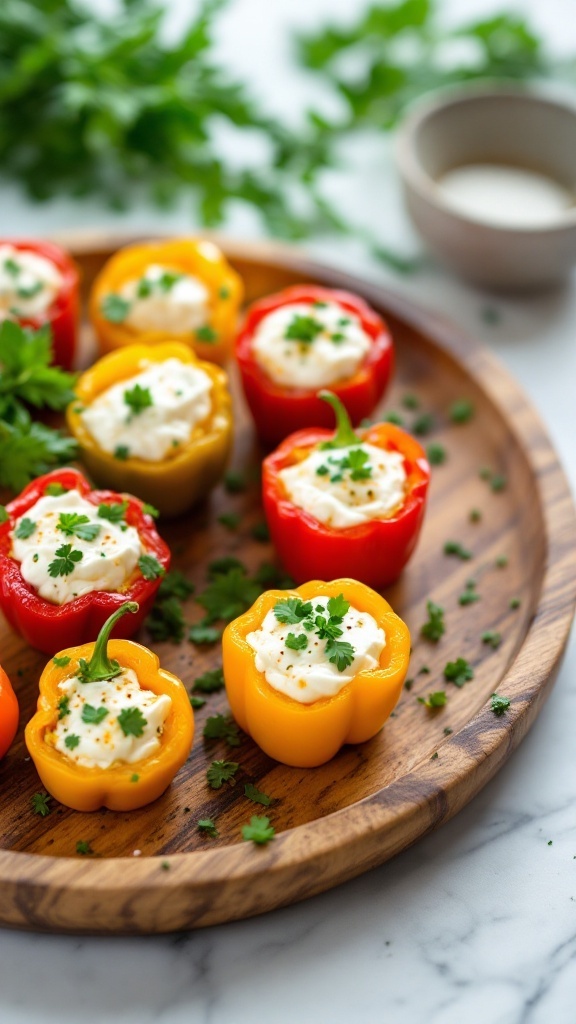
477 922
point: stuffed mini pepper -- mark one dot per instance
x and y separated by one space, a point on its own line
311 669
344 501
152 292
38 286
112 728
307 338
155 420
9 713
69 556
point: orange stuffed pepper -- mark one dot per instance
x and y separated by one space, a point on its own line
112 728
182 288
311 669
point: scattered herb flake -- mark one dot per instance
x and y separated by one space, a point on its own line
25 528
207 827
220 772
222 727
436 454
461 411
259 831
235 482
132 721
231 520
492 638
260 532
114 308
61 662
202 633
209 682
150 567
83 847
499 705
65 561
256 795
458 672
452 547
40 802
423 424
434 628
434 700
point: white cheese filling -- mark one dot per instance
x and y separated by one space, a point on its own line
307 675
29 283
310 345
102 563
343 487
180 397
102 741
166 299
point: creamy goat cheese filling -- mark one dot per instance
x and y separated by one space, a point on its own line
310 345
29 283
67 547
343 487
307 651
149 416
163 299
110 721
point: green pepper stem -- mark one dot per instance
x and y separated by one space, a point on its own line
344 436
100 666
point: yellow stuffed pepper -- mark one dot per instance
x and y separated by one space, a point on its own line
112 728
154 420
152 291
311 669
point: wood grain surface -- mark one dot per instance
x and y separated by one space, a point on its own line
371 801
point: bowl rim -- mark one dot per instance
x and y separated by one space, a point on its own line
413 173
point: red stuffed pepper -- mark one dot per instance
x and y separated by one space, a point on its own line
301 340
346 504
38 286
70 556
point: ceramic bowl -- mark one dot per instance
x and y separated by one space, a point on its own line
499 125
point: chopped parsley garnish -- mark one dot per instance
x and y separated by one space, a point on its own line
501 562
121 452
65 561
175 584
207 827
202 633
168 279
436 454
114 308
408 684
395 418
74 525
514 603
25 529
256 795
499 705
150 567
423 424
469 595
434 628
207 334
448 731
231 520
498 482
260 532
340 653
461 411
132 722
134 777
297 643
452 547
292 610
150 510
411 402
63 707
259 831
220 772
235 482
197 702
30 291
434 700
145 288
475 515
166 620
92 715
229 594
114 513
72 741
83 847
222 727
210 682
55 490
304 329
12 267
458 672
138 399
492 638
40 803
355 461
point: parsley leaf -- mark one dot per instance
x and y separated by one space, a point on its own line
220 772
74 525
25 528
423 424
461 411
150 510
340 653
138 399
71 741
256 795
434 700
435 627
40 802
150 567
54 490
207 334
292 610
231 520
207 827
132 722
458 672
202 633
83 847
121 452
30 449
26 373
115 512
222 727
260 532
303 328
61 662
166 620
65 561
210 682
92 715
114 308
452 547
337 607
228 595
259 831
296 643
436 454
197 702
492 638
235 482
499 705
63 707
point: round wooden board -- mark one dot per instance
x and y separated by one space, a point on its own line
371 801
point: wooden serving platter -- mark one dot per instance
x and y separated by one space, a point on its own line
371 801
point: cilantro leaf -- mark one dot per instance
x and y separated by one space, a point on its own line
461 411
499 705
150 567
138 399
150 510
114 308
72 741
256 795
231 520
74 525
175 584
337 607
197 702
207 334
26 375
296 643
121 452
259 831
303 328
207 827
210 682
30 450
166 620
228 595
115 512
340 653
25 528
65 561
434 628
452 547
292 610
40 802
458 672
434 700
83 847
202 633
220 772
132 721
492 638
63 707
92 715
436 454
222 727
61 662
